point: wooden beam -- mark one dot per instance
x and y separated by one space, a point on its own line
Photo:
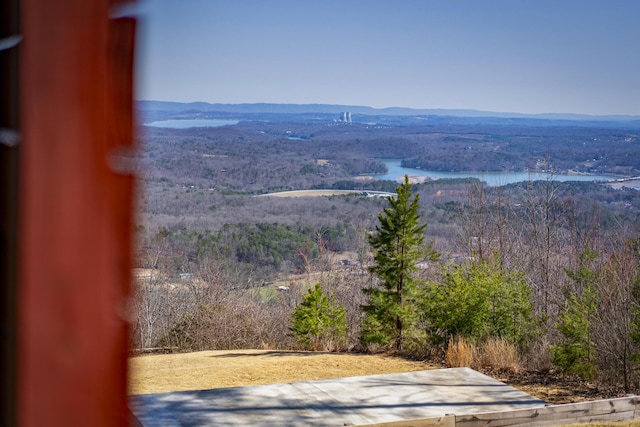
603 410
621 409
444 421
75 212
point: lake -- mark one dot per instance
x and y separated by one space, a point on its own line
192 123
396 172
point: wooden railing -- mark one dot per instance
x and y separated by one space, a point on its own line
621 409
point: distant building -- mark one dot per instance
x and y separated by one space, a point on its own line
345 116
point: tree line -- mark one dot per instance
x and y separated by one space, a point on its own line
540 267
587 324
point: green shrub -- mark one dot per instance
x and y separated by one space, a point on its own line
576 354
319 322
478 301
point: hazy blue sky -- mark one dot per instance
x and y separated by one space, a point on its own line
526 56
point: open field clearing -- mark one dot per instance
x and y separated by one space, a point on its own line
311 193
230 368
631 183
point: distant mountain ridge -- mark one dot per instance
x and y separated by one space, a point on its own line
170 106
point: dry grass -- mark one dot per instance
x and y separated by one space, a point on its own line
495 354
216 369
499 354
460 353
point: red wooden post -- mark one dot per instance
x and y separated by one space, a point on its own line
75 213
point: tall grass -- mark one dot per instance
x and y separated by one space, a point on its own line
494 353
459 353
499 354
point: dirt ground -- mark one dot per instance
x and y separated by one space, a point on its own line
556 388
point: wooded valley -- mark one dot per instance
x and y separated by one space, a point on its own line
549 269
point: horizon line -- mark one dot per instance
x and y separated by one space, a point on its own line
486 113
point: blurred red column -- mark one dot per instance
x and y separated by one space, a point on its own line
75 213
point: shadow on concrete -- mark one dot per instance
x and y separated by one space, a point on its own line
345 401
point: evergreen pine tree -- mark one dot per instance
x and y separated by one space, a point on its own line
398 246
319 321
576 353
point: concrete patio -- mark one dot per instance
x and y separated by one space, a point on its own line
338 402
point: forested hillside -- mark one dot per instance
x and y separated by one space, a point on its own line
288 148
